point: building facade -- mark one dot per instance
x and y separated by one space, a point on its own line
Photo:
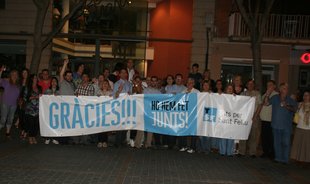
162 37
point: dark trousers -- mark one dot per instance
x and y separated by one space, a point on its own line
33 125
21 117
133 134
183 142
267 139
172 141
120 137
157 141
103 137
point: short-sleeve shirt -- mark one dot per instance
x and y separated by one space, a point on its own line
10 94
85 90
178 88
44 85
127 88
281 117
66 88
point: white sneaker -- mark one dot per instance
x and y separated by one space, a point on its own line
132 143
104 145
190 151
99 145
183 149
47 141
55 141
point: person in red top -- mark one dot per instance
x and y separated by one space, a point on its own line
45 82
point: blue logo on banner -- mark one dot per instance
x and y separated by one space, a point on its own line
171 114
209 114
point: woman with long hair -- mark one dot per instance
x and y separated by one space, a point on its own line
169 84
32 95
301 143
105 90
24 78
206 142
226 146
52 90
9 99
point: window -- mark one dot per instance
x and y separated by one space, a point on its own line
2 4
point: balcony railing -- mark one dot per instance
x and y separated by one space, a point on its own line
287 27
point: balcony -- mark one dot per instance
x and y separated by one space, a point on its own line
279 28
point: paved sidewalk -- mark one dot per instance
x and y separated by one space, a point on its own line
23 163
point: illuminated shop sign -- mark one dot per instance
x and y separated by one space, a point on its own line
305 57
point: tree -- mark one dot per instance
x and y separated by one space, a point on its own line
255 14
38 42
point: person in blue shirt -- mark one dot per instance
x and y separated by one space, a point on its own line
283 108
122 86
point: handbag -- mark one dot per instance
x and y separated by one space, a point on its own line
296 118
296 115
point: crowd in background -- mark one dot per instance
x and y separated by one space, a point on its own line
271 130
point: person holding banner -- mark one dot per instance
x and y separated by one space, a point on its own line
206 142
122 86
169 84
85 88
238 86
52 90
283 108
105 90
169 140
136 135
183 140
250 146
178 87
152 89
97 83
226 146
32 95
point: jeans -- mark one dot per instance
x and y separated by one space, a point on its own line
281 140
7 115
226 146
215 143
206 143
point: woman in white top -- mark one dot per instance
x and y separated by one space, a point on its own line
105 90
183 139
301 144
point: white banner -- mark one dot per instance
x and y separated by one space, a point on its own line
202 114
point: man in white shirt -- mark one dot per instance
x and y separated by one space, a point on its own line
152 89
265 116
132 73
183 140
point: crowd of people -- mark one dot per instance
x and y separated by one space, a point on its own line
271 129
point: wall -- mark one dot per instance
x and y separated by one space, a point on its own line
203 18
171 19
221 17
243 51
18 18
